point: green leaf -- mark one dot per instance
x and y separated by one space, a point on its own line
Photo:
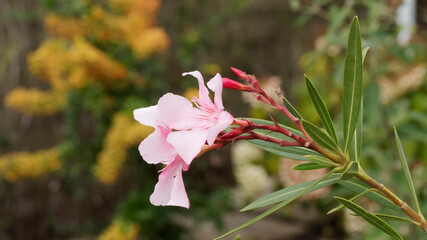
291 108
320 160
364 52
321 109
296 153
238 237
393 218
316 162
319 136
369 217
254 220
357 139
350 171
287 193
278 206
339 207
308 166
352 92
357 186
405 167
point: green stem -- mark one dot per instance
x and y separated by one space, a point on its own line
418 218
335 158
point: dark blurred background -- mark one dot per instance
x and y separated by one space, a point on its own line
71 73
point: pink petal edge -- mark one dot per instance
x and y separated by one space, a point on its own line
147 116
224 120
155 148
170 189
188 143
176 112
215 84
203 91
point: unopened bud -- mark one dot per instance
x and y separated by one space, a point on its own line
232 134
239 73
231 84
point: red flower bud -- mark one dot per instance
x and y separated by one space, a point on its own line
231 84
239 73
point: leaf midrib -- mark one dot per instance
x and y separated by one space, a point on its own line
287 193
352 94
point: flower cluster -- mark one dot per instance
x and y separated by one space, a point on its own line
181 130
34 101
93 62
65 27
133 22
64 67
18 165
69 61
48 63
120 230
123 133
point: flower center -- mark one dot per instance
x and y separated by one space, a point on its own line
209 112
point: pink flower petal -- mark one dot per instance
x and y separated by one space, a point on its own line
170 189
224 120
147 116
176 112
215 84
188 143
203 91
155 149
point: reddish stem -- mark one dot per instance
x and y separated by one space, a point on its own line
285 111
246 125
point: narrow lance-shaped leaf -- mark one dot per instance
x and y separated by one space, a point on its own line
369 217
357 186
350 171
319 136
288 192
393 218
357 139
358 136
291 108
308 166
339 207
352 90
316 162
320 160
238 237
278 206
254 220
364 52
405 167
296 153
321 109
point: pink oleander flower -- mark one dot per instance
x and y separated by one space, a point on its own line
180 132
